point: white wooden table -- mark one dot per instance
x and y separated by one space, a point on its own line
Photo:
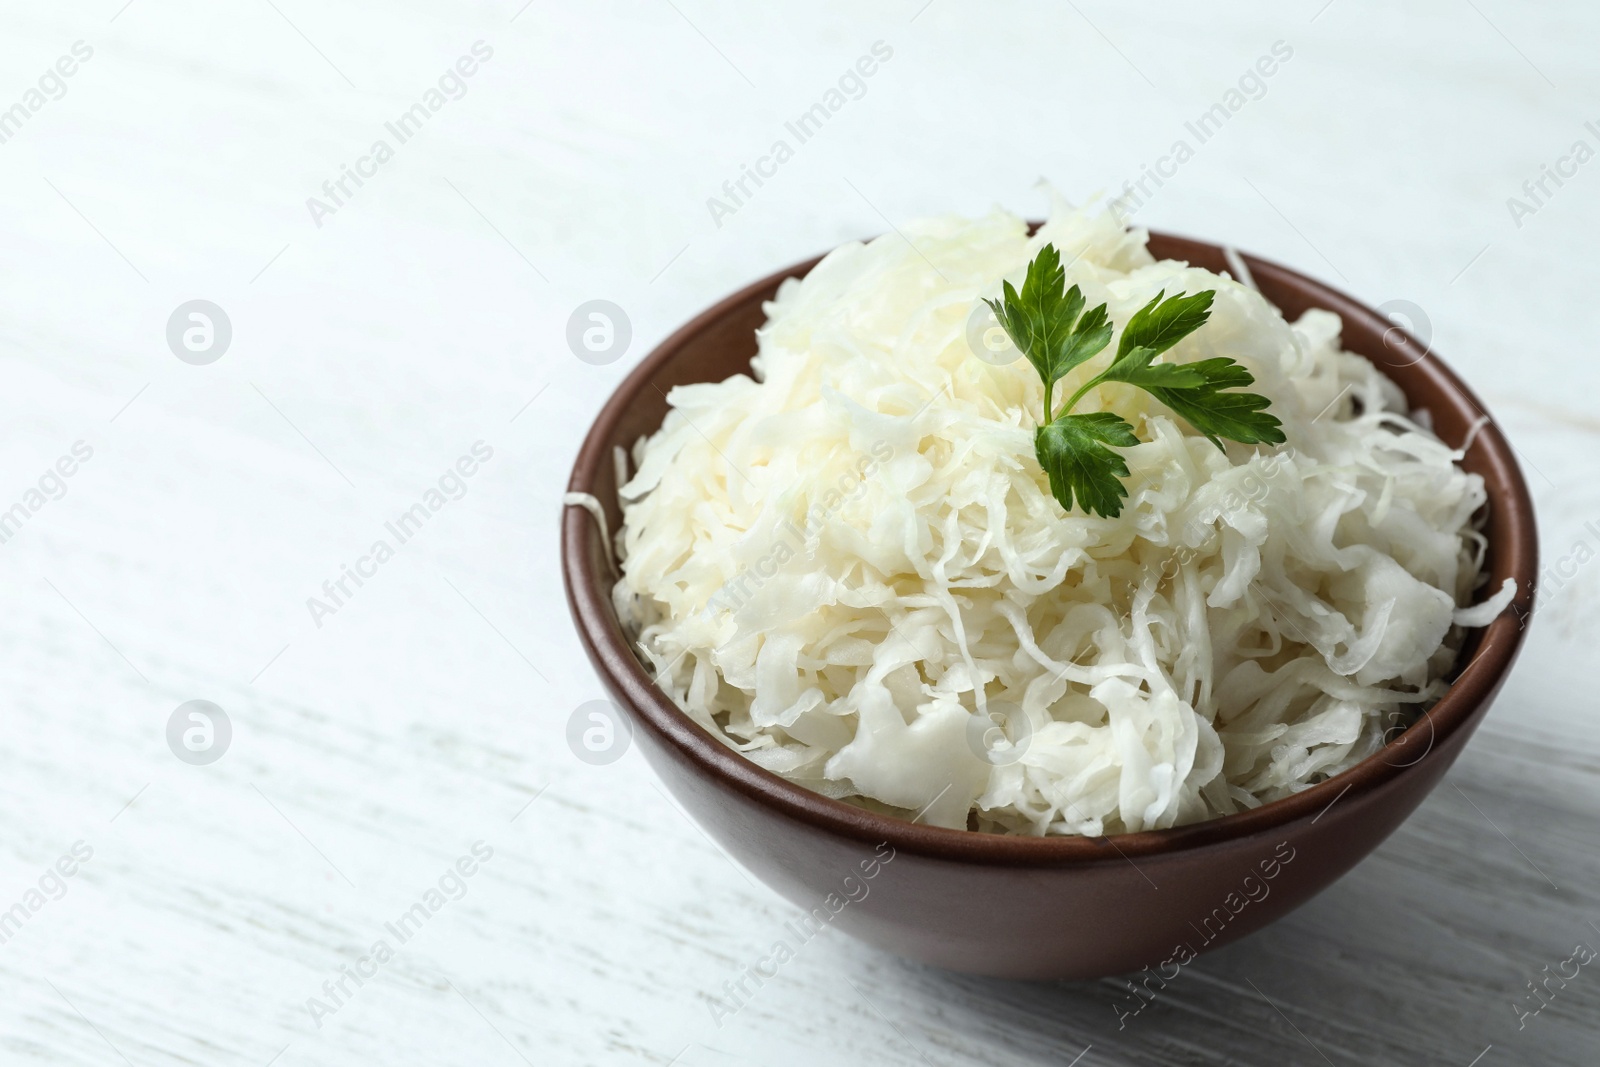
374 740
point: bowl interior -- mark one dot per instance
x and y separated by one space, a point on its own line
720 343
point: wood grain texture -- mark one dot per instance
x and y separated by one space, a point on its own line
429 312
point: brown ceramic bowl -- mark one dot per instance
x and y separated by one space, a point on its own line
1058 907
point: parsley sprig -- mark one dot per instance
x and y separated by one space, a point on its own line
1047 323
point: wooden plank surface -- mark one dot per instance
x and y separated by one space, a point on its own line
377 741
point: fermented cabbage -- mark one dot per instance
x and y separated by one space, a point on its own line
848 566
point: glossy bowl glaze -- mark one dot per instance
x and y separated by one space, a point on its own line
1058 907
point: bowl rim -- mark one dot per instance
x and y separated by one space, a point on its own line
1476 682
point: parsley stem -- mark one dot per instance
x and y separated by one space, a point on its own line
1088 385
1049 387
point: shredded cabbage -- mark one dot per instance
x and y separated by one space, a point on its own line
849 567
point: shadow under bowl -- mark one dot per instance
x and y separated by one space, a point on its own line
1055 907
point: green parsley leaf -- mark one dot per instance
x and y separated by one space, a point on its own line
1089 336
1135 368
1042 321
1072 450
1237 416
1161 324
1046 322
